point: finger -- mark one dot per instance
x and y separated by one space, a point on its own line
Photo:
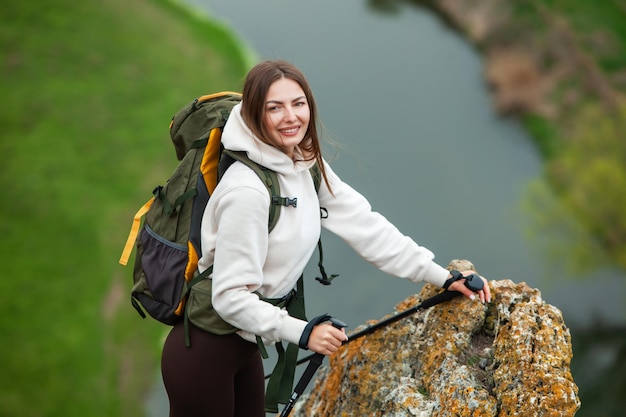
331 348
459 286
334 342
339 334
466 292
486 290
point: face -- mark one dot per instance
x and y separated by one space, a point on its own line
287 114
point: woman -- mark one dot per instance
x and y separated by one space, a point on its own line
276 124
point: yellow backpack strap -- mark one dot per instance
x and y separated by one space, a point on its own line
134 231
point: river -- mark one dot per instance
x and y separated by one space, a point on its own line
404 95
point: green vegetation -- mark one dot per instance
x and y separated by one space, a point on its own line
88 92
584 48
560 66
589 176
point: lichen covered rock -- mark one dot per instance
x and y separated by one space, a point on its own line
510 357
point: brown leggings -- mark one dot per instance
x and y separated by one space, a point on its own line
219 376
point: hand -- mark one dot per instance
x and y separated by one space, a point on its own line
484 294
326 339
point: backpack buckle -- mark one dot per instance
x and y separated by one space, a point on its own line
284 201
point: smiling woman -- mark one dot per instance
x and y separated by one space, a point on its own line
287 115
221 374
284 116
407 80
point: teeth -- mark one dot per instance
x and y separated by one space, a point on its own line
290 130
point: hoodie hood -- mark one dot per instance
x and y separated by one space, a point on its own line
238 137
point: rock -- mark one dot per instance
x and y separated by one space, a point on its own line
516 82
510 357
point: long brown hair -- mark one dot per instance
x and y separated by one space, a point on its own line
256 86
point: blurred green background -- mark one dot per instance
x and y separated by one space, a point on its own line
88 89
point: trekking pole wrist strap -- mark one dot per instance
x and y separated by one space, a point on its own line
306 334
456 275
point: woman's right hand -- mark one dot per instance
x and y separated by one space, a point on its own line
326 339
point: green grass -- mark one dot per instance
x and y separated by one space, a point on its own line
88 92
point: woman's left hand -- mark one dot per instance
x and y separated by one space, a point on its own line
484 294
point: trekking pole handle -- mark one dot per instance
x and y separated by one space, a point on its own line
338 324
474 282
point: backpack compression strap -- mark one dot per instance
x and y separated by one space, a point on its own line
134 231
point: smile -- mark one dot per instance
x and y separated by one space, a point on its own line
290 131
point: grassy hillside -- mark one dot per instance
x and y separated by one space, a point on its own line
88 92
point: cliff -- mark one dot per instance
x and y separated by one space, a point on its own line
510 357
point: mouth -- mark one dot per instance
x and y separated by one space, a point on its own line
290 131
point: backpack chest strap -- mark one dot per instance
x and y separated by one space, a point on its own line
284 201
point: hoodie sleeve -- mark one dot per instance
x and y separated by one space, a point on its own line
373 237
238 266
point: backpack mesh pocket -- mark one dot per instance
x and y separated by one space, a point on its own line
163 263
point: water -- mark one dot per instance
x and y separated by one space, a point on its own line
405 97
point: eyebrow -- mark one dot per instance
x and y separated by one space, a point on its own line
280 102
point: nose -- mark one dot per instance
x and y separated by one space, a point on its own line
290 114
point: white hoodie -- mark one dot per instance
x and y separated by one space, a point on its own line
246 258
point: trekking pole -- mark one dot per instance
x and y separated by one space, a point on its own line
473 282
315 361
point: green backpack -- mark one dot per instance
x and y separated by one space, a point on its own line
166 282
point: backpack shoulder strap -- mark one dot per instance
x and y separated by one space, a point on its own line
267 176
316 173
